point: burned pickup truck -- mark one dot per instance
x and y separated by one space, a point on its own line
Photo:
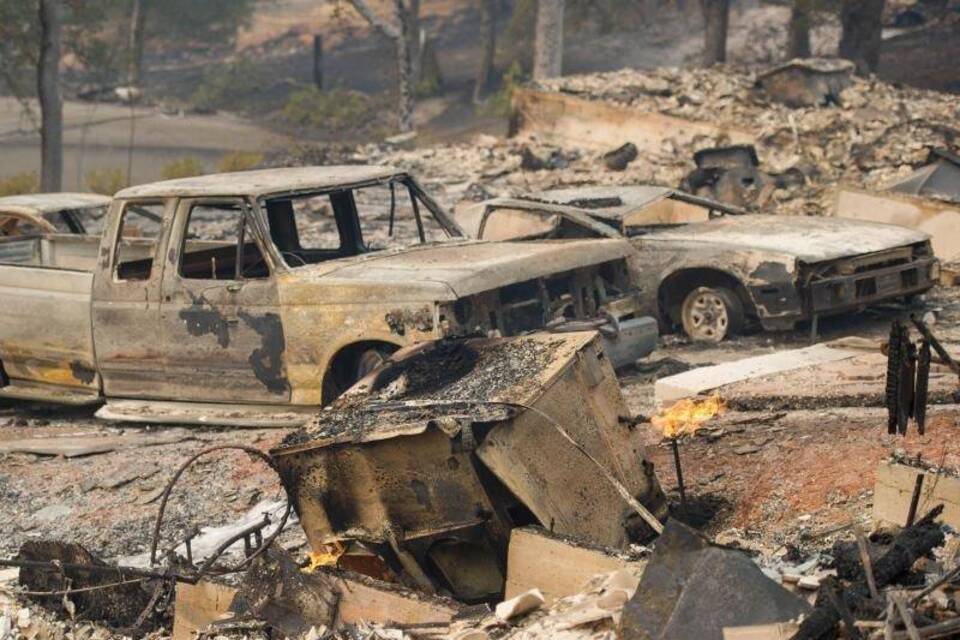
254 297
713 269
52 213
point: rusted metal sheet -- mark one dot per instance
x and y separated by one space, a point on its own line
453 443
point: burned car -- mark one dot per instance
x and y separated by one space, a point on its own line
255 297
711 268
39 213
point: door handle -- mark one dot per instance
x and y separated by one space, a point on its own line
234 287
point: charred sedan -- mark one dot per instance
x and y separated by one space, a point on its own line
711 268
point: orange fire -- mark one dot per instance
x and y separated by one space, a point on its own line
327 556
688 415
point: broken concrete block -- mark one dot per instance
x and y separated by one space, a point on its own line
894 490
564 118
697 381
810 583
520 605
693 589
938 218
559 566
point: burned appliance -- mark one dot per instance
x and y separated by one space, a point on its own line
420 471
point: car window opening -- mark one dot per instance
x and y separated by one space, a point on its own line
317 227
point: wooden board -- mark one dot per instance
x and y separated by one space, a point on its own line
361 599
894 489
775 631
697 381
381 603
536 560
198 605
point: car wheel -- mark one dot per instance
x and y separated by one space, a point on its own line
710 314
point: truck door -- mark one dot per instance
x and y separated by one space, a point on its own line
220 312
126 300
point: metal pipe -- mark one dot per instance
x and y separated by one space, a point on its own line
915 499
676 463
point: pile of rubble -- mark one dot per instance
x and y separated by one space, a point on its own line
875 132
872 134
448 496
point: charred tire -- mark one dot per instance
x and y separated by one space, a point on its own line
711 314
351 365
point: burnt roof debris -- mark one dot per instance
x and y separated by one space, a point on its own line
939 178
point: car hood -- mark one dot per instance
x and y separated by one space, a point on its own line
459 269
811 239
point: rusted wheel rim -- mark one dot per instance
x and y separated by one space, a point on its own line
368 361
705 317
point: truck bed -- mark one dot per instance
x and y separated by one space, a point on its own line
46 334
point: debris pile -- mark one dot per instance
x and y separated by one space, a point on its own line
871 134
874 133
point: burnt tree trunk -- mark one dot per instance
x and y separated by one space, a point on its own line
798 32
48 92
398 32
860 39
318 61
488 47
548 44
716 18
405 71
415 36
137 23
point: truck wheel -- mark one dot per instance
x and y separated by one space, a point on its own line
710 314
351 367
370 360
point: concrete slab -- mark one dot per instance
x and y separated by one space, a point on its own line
697 381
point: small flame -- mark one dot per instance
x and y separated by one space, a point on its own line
688 415
327 556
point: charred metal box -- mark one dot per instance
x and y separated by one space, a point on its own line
429 462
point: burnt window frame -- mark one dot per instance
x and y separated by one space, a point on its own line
245 223
259 212
125 205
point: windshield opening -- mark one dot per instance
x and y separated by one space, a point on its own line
316 227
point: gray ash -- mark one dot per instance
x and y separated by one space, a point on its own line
431 370
459 372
